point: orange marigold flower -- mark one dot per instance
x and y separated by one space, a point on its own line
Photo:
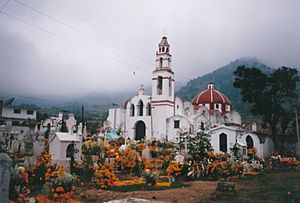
60 189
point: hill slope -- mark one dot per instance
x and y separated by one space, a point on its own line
223 79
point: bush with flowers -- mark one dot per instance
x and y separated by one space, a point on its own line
104 177
60 185
173 169
220 169
126 160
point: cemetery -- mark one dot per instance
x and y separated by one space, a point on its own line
100 168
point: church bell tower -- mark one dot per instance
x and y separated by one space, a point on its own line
162 88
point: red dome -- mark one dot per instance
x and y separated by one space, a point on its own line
210 97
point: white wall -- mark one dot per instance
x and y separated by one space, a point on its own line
8 112
184 125
231 138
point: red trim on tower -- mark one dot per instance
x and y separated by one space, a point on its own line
160 101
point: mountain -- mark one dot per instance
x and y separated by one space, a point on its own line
223 79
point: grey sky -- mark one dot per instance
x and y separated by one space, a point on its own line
204 35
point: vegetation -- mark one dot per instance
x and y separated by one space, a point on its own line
272 96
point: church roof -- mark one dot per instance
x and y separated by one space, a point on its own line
164 41
67 137
210 96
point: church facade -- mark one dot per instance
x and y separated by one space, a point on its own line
163 116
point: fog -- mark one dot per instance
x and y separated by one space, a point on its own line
67 48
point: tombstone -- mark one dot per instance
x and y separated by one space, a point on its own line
179 158
146 154
28 149
5 170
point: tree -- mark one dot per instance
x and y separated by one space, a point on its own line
272 96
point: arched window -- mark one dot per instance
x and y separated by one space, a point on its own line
141 106
148 109
167 50
223 142
170 86
159 85
249 141
132 110
160 62
163 49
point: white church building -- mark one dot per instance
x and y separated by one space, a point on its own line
163 116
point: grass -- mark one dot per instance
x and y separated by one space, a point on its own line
271 186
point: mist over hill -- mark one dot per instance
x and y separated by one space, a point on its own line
97 104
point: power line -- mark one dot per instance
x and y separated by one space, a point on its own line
89 35
81 31
4 6
128 66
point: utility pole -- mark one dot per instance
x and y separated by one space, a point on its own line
297 130
82 118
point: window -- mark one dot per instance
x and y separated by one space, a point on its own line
17 111
167 49
148 109
249 141
30 112
15 123
163 49
223 142
217 106
132 110
176 124
159 85
141 106
170 86
160 62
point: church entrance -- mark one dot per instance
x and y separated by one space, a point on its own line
140 130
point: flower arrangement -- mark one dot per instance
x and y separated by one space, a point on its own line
150 177
140 147
112 151
253 166
85 170
19 189
90 147
218 169
43 163
147 164
289 161
251 150
60 185
104 178
173 169
126 160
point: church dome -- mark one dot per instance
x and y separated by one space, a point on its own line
212 99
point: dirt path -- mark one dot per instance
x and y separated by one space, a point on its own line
193 193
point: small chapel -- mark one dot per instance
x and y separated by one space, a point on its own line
163 116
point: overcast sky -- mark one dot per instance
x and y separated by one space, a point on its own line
72 48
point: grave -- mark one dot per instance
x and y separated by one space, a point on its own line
5 170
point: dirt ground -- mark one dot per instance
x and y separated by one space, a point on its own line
271 186
196 191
